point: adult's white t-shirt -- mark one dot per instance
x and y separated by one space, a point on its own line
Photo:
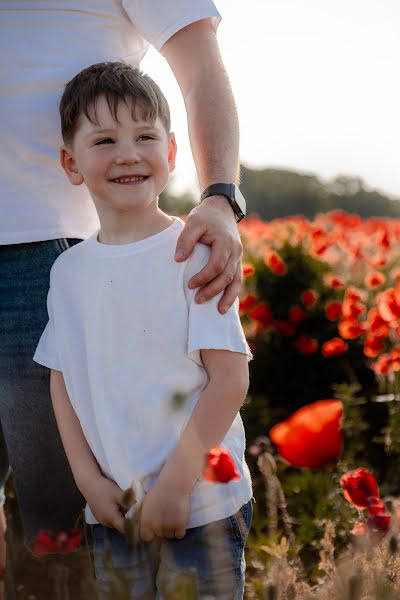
126 333
43 44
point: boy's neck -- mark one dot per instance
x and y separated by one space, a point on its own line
127 230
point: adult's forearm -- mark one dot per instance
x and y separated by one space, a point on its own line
194 57
213 127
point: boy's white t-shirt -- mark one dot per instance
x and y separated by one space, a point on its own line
43 44
126 333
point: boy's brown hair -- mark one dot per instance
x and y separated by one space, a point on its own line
116 81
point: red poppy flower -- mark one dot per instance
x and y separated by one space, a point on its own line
220 466
48 542
375 505
352 309
334 347
374 279
296 314
334 281
373 345
262 314
247 302
388 306
309 298
284 328
350 329
248 269
306 345
333 310
312 436
380 522
275 263
358 486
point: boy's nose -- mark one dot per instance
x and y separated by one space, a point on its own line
127 154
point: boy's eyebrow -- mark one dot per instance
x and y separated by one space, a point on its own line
143 126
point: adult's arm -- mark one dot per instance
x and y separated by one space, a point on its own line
194 57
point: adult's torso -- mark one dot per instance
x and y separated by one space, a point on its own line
43 44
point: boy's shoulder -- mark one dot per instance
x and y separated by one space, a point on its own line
68 260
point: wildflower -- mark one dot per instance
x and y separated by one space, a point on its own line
296 314
334 347
247 302
374 279
333 310
312 436
220 466
373 345
309 298
248 269
284 328
359 486
48 542
262 314
275 263
350 329
306 345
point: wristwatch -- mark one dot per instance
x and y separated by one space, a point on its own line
232 193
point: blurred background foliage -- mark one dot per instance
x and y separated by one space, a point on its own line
273 193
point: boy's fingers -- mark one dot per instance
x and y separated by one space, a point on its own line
119 522
180 533
146 534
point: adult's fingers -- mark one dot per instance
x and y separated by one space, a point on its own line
189 236
217 263
230 275
231 291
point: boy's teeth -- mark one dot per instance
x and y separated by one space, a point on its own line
128 179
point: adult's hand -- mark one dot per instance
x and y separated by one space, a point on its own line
213 223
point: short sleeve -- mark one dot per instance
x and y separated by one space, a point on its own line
46 351
208 329
158 21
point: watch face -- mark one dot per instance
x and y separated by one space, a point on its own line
239 198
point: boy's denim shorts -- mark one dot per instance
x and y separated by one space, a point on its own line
29 438
208 563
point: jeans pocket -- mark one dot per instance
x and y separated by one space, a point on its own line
241 521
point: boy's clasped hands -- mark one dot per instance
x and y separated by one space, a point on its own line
163 512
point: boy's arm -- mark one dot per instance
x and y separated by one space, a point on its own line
167 507
103 495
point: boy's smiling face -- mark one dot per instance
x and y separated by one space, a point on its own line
125 164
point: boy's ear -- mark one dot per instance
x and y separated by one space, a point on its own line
172 150
69 165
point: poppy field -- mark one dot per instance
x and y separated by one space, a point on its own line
320 306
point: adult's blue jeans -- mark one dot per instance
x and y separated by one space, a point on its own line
29 438
212 556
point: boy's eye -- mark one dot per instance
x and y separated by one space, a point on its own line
104 141
146 137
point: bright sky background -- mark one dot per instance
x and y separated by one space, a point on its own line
317 85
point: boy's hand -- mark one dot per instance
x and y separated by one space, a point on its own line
105 501
163 513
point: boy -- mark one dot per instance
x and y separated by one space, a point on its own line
125 340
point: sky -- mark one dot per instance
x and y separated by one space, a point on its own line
317 87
